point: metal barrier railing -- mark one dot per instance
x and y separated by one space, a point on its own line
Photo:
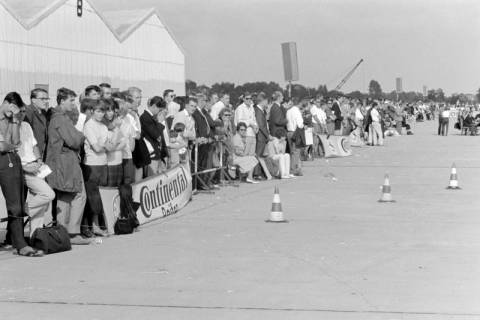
225 179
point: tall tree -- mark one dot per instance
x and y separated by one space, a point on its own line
299 91
224 87
436 95
478 95
431 95
190 86
322 90
375 90
356 95
439 95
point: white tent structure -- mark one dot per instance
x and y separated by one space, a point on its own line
43 43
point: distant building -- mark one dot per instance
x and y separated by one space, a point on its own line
399 85
45 44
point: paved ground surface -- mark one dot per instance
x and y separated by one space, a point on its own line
342 255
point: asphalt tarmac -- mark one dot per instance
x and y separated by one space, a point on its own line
342 255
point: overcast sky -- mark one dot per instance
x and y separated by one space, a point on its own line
425 42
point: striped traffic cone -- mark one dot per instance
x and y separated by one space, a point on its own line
453 178
276 214
386 191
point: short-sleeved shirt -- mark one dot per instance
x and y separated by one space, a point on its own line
95 133
321 115
173 108
375 115
129 133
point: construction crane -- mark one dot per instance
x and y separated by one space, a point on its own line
349 74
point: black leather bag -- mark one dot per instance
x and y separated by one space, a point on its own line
51 239
127 222
123 226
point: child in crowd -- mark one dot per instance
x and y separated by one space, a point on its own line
116 138
95 168
178 146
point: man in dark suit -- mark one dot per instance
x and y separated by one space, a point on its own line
338 117
263 134
204 135
278 114
152 132
37 116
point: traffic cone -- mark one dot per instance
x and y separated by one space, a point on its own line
453 178
276 214
386 191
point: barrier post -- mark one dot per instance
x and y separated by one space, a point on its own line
196 175
224 178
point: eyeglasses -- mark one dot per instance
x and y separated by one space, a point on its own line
248 98
43 99
242 130
227 115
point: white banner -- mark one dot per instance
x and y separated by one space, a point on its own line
335 146
158 196
162 195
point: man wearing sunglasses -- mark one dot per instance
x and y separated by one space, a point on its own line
172 107
246 113
36 115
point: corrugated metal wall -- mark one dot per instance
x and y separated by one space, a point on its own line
64 50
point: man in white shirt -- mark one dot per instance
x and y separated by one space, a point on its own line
246 113
319 118
444 120
172 107
358 115
375 134
134 98
40 194
294 122
319 121
219 105
185 117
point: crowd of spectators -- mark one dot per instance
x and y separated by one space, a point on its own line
62 154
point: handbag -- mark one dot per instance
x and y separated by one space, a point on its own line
123 226
51 239
127 222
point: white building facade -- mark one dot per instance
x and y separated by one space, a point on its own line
49 46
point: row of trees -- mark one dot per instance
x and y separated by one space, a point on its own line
298 90
435 95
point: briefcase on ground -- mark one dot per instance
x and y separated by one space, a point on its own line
51 239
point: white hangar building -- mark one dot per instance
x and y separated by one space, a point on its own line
43 43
